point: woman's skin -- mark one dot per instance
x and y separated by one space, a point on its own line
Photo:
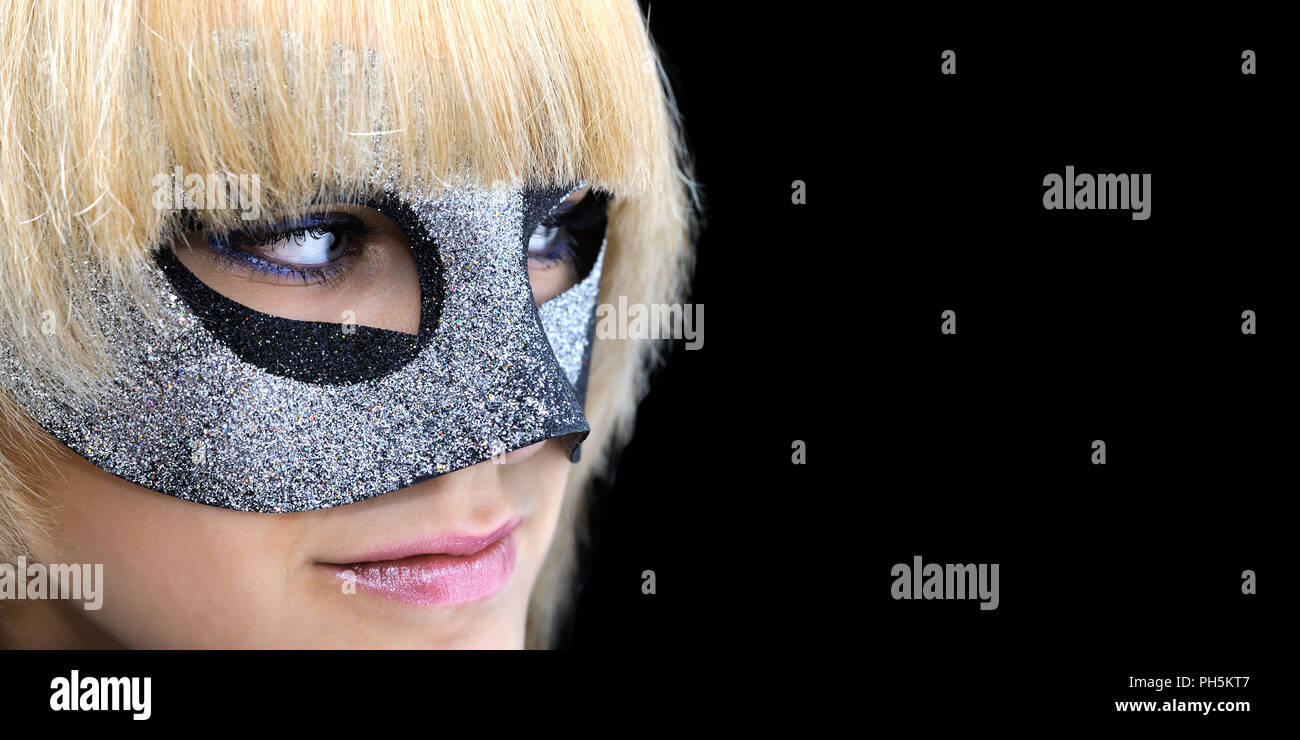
183 575
178 574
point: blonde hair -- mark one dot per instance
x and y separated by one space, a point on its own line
101 97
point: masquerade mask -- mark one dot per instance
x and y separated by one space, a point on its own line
227 406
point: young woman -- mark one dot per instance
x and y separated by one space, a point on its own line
296 337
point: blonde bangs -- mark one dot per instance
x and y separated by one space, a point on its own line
500 93
109 96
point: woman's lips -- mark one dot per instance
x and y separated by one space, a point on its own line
451 570
439 544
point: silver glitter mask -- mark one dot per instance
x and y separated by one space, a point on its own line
230 407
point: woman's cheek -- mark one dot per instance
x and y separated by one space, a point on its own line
175 574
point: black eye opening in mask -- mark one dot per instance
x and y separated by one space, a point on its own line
322 352
318 352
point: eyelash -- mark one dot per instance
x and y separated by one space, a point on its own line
561 251
234 247
584 214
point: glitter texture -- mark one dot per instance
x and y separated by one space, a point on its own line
190 417
568 319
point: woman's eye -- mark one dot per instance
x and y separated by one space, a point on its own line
564 246
549 244
314 247
345 264
312 250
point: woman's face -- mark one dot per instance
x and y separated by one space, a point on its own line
447 563
184 575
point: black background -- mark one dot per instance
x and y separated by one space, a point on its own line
925 194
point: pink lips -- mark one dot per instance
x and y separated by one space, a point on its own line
439 571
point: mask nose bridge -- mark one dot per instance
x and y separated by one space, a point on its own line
536 204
